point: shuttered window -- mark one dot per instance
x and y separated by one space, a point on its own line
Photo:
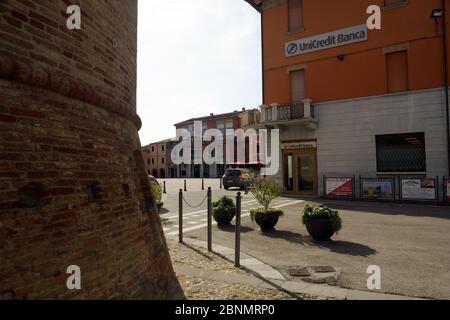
298 86
295 8
397 71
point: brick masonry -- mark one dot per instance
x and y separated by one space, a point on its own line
73 188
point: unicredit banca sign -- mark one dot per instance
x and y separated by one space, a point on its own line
327 40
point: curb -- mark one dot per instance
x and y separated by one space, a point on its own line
271 276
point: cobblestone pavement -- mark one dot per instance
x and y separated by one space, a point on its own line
199 258
198 288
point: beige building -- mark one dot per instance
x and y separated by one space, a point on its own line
157 159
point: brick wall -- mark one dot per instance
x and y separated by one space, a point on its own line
73 189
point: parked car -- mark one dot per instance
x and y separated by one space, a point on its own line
237 178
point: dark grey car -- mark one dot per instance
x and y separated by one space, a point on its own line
236 178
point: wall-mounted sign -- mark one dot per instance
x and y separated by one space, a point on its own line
377 188
299 145
418 189
339 187
448 189
327 40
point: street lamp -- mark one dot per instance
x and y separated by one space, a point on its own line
437 14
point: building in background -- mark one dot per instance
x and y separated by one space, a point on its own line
351 101
157 158
233 120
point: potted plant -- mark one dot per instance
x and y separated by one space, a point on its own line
157 194
265 191
321 222
223 211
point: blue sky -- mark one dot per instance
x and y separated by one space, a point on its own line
195 58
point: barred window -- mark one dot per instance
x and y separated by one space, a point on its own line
401 153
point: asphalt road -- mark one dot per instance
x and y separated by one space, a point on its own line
410 243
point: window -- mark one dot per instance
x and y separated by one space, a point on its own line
148 161
401 153
153 149
221 126
298 86
162 148
162 160
295 8
397 71
153 160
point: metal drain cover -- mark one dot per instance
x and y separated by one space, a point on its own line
323 269
299 272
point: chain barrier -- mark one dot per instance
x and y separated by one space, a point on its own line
192 206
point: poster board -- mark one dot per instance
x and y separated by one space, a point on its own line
382 188
339 187
419 189
448 190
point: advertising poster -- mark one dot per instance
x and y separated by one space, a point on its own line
377 188
419 189
339 187
448 190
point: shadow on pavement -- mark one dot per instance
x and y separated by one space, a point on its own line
341 247
348 248
231 228
289 236
410 210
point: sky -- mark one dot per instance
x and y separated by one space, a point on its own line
195 58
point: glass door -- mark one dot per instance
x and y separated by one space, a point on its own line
306 174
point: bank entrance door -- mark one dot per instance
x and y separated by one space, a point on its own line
300 171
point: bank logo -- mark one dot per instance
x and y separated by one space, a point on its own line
292 48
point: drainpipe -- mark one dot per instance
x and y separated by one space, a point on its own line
262 57
447 103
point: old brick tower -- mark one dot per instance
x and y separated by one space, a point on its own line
73 190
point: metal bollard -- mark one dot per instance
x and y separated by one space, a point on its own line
203 184
210 219
180 217
237 250
165 191
185 186
246 188
221 186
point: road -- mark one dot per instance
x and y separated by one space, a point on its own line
410 243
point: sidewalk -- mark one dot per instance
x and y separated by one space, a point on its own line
209 276
212 276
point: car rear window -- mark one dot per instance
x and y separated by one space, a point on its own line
232 173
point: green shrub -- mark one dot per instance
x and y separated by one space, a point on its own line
223 210
265 191
322 213
254 213
157 192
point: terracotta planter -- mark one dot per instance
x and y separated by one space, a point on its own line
320 230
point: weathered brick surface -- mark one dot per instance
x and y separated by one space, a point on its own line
69 153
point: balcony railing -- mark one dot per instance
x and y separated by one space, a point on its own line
287 112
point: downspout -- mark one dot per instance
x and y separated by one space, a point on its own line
447 103
262 58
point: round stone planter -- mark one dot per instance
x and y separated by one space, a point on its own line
320 230
268 220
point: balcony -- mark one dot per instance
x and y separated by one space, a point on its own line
295 113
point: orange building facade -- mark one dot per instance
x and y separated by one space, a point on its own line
350 101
